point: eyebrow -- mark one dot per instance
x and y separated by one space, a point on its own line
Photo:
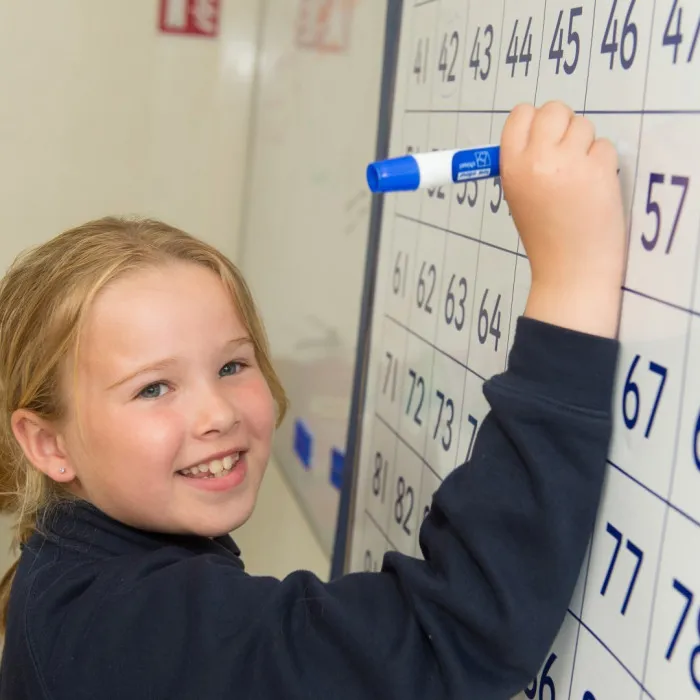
166 362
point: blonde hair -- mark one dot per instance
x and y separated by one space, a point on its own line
44 298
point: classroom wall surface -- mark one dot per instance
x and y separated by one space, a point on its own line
102 114
307 210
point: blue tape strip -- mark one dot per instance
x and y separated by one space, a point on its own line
337 465
303 443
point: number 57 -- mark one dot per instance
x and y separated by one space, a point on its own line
653 207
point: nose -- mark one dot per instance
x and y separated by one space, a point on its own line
215 413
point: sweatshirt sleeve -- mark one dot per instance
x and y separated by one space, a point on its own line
503 545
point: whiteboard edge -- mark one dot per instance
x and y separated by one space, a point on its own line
344 530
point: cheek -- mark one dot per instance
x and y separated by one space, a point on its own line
134 435
259 408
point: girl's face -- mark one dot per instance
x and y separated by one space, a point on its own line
171 420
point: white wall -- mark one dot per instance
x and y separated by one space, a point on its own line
99 113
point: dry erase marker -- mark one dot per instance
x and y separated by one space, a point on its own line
418 170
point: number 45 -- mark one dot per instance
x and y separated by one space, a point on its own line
556 53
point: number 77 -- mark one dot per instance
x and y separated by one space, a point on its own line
636 552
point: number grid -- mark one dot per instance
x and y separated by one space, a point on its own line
453 279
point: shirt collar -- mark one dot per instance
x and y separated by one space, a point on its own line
80 525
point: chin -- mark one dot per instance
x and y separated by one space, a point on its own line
215 524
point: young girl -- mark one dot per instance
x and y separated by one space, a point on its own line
139 407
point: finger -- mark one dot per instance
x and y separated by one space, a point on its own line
604 152
516 130
581 134
550 123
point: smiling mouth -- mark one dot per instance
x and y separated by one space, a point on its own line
216 469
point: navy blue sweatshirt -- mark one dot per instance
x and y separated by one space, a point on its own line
102 611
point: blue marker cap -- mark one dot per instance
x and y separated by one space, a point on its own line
394 175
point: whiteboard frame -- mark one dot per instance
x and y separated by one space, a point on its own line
346 506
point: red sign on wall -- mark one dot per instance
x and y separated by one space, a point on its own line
190 17
324 25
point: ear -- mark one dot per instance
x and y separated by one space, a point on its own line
42 445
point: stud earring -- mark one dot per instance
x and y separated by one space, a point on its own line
62 470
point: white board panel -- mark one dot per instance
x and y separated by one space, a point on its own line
451 280
305 224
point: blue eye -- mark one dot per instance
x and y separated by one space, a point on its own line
230 368
151 391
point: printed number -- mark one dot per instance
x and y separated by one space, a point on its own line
632 391
636 552
403 514
400 274
439 189
475 425
588 696
494 327
475 58
418 383
628 38
654 208
449 406
512 57
695 653
495 206
422 300
448 75
696 446
370 563
452 303
381 467
391 374
546 681
676 39
464 197
556 50
420 65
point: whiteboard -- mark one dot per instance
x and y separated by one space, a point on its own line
304 228
633 625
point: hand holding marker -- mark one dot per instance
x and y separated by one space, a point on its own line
419 170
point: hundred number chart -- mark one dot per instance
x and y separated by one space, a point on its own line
451 279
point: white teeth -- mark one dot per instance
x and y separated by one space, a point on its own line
217 468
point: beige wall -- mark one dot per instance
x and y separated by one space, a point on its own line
102 114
